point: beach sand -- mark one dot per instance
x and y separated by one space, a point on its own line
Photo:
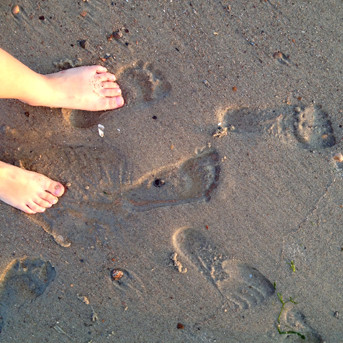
214 193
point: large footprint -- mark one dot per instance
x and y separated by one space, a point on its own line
22 281
310 126
192 180
242 285
102 189
94 177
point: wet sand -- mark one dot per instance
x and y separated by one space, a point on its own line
215 193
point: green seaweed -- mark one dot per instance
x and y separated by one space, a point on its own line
290 332
292 266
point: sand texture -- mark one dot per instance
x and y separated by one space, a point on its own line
210 210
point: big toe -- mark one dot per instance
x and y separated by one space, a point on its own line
56 188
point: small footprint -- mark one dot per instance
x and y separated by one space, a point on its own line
292 320
313 128
309 126
23 281
193 180
242 285
142 84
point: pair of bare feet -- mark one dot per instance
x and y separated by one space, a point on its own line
90 88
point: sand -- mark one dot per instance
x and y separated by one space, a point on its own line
214 194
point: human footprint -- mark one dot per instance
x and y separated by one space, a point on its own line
26 190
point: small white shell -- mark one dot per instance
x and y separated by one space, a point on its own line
101 129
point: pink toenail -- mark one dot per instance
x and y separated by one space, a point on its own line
58 189
120 101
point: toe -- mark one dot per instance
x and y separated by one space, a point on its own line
105 77
27 209
111 92
35 208
113 103
55 188
119 101
42 203
51 199
109 84
100 69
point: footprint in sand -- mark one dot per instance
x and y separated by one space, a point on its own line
103 189
292 320
94 179
23 281
242 285
141 84
313 128
192 180
309 126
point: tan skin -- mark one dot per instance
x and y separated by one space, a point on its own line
89 88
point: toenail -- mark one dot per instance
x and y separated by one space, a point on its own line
120 101
55 201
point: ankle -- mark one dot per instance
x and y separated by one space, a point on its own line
40 91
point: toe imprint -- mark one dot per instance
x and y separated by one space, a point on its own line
142 84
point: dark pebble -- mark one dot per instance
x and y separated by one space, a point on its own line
117 34
83 43
158 183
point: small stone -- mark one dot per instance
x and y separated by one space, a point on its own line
338 157
278 55
297 109
180 326
83 13
83 43
85 300
220 132
116 274
206 83
159 183
117 35
336 314
15 10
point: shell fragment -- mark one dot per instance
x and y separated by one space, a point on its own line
101 129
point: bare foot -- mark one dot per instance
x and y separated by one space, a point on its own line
89 88
26 190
